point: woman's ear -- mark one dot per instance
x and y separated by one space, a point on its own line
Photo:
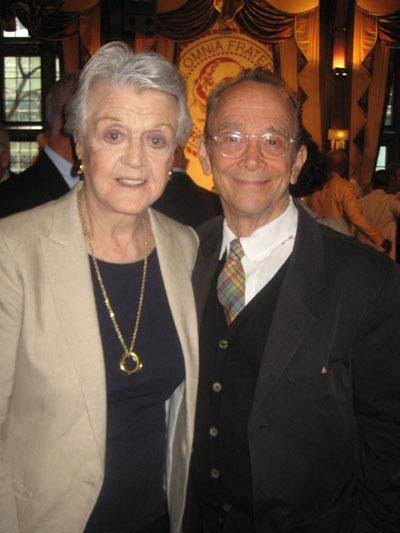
203 155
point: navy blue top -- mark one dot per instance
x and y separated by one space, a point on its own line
133 493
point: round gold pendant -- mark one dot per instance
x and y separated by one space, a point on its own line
135 364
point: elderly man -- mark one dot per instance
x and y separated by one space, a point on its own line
52 175
298 411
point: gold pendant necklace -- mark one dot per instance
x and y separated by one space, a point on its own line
129 362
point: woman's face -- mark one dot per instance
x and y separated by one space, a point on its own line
128 147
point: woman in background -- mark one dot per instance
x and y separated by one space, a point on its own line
98 367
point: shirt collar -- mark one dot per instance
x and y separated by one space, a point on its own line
63 166
267 238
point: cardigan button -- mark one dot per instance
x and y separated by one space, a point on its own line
213 431
217 387
215 473
223 344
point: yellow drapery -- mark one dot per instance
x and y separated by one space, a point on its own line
365 127
307 39
89 32
376 100
378 7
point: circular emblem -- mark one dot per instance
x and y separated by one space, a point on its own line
205 63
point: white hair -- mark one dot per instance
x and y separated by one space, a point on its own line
116 64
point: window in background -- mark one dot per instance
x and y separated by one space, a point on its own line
381 159
27 70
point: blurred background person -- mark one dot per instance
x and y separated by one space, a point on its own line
183 200
5 157
313 177
98 331
338 199
382 210
51 175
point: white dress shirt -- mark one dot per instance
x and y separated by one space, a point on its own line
266 250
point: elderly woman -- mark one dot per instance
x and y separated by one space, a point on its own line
98 334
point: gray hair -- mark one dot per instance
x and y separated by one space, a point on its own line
258 75
57 99
116 64
4 139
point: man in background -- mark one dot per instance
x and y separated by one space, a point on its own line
382 210
183 200
5 157
51 175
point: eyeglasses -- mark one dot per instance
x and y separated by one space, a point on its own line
234 144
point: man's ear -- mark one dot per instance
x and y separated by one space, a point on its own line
203 155
299 161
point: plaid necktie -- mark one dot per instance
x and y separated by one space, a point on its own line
231 282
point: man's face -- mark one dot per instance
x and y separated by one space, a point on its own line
128 147
253 188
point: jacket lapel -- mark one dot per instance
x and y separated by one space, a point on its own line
207 261
68 269
294 314
174 270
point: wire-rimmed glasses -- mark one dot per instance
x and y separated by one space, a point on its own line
234 144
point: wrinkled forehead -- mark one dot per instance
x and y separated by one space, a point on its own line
129 104
250 102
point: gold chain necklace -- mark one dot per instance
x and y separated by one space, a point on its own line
135 364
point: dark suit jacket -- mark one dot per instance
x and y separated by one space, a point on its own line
184 201
324 430
37 185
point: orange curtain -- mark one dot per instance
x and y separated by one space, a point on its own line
376 31
365 36
376 100
307 39
80 46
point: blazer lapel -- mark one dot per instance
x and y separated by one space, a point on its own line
207 261
179 291
294 314
68 269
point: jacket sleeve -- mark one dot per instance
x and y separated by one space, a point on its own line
376 381
10 320
354 216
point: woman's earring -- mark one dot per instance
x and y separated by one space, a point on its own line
81 169
170 175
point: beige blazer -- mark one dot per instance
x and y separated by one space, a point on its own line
52 379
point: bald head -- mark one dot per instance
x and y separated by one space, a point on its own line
337 161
